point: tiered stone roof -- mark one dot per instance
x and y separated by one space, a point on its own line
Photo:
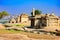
24 15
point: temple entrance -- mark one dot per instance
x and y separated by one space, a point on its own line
32 22
12 22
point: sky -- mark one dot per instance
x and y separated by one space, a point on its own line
16 7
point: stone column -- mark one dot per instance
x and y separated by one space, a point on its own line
33 11
18 20
58 23
47 22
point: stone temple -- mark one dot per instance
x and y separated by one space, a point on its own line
38 21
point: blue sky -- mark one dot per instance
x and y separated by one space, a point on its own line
15 7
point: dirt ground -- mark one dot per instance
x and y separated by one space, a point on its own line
6 35
22 37
15 37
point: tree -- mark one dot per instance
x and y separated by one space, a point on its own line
37 12
3 14
0 15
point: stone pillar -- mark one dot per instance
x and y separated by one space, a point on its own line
18 20
14 22
33 12
47 22
58 23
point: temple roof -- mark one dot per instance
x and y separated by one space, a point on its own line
24 15
45 15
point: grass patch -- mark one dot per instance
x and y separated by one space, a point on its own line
17 25
9 31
